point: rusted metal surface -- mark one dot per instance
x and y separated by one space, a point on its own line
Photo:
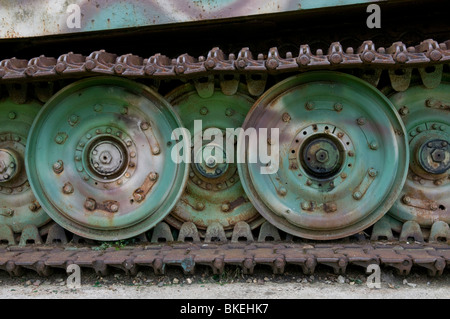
435 258
30 18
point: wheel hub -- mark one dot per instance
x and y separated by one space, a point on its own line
434 156
321 156
9 165
108 158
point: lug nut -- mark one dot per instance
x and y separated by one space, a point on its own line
114 208
309 105
406 199
67 188
373 172
286 117
58 166
338 107
90 204
282 191
145 126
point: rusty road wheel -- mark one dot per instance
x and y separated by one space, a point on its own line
18 206
214 192
99 158
343 155
425 196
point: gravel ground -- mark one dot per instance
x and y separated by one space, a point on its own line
230 285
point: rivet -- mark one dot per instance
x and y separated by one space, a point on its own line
282 191
88 136
419 129
373 145
200 206
203 111
12 115
343 175
225 207
340 134
309 182
124 110
129 142
153 176
108 130
361 121
156 150
114 208
351 153
97 108
33 207
229 112
433 206
133 154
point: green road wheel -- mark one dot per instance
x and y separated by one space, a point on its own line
18 206
425 196
342 157
214 192
99 158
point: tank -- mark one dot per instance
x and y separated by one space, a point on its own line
289 132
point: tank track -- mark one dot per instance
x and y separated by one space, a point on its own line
429 57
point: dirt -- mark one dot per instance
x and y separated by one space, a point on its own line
232 284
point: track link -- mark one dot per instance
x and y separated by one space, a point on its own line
277 255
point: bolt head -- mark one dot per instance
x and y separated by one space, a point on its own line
321 155
438 155
225 207
357 195
114 208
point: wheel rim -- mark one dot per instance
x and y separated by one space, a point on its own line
105 145
18 205
214 192
424 198
346 129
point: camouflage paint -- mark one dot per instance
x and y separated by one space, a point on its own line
30 18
